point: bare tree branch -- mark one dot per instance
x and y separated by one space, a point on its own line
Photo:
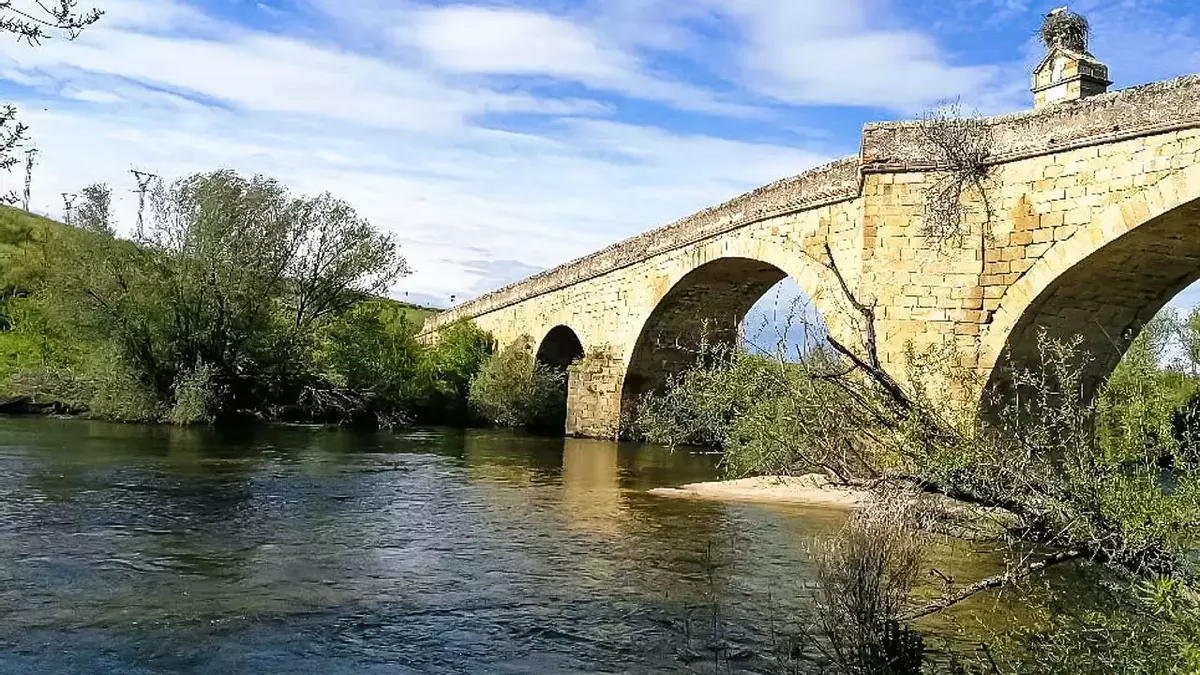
997 581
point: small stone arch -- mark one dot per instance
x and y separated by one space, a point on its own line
560 347
1102 284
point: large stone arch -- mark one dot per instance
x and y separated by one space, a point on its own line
1102 284
709 301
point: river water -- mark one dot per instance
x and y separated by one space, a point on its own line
146 550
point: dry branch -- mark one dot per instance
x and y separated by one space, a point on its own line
997 581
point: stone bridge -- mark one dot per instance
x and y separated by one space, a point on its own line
1087 223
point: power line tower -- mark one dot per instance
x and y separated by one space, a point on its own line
30 160
69 204
143 179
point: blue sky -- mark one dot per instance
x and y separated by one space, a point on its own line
499 138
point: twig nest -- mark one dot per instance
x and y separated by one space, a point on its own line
1066 29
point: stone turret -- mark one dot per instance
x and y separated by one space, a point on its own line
1068 72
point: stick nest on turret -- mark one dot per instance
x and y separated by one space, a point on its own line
1063 28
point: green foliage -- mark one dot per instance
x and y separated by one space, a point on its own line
95 213
512 389
118 394
241 300
1136 412
701 405
446 370
771 417
1147 627
372 349
235 274
194 397
21 255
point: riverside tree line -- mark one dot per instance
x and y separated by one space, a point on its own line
239 301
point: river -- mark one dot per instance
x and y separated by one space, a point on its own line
146 550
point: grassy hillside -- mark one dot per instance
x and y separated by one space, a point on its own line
416 314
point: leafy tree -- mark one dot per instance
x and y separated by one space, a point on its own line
1136 409
446 370
513 389
236 276
372 349
95 214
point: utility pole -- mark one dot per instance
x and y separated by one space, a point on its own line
69 203
143 179
30 158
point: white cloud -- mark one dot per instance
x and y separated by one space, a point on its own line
828 52
505 41
513 41
263 72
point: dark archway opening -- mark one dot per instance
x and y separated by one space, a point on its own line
731 302
559 349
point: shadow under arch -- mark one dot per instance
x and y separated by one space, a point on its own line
560 348
708 304
1104 284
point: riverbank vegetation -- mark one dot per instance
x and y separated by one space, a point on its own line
1109 485
515 390
240 301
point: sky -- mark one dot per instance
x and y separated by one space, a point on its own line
497 139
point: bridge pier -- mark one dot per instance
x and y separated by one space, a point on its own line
594 396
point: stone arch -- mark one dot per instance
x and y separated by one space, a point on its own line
709 301
1103 283
560 347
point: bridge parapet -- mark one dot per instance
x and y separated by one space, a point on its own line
1149 109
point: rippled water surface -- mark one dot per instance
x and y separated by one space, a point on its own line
127 549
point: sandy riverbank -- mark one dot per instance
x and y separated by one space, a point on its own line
809 489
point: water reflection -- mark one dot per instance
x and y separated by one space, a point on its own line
591 486
309 550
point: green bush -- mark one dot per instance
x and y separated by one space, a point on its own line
194 397
119 395
235 273
512 389
445 371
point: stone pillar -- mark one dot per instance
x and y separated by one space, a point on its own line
594 396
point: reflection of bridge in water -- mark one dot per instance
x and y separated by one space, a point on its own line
594 486
1088 223
591 484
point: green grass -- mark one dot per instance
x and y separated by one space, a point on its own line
416 314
